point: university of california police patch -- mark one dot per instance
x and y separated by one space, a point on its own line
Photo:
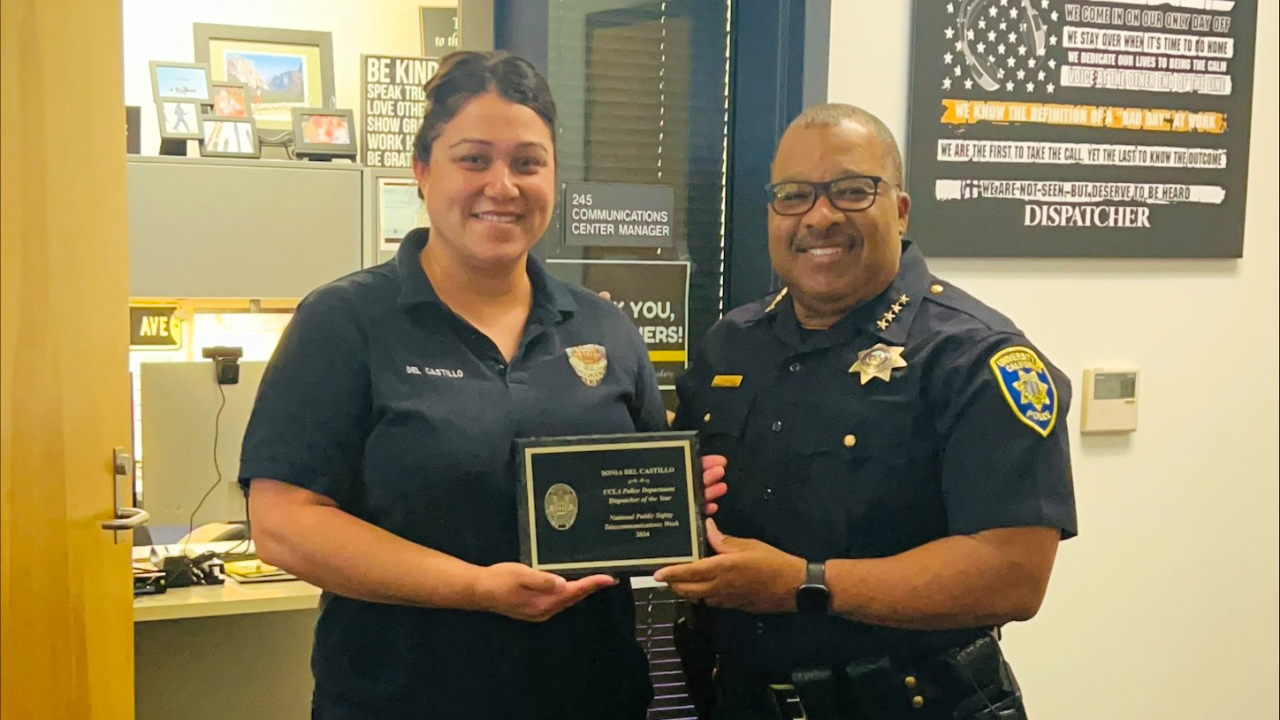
1027 386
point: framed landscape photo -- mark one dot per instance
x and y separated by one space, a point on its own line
320 134
230 99
281 69
180 81
229 137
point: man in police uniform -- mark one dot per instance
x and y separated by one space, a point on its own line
899 475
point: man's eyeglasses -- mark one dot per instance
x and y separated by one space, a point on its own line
851 193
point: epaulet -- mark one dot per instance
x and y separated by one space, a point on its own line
755 310
776 299
950 296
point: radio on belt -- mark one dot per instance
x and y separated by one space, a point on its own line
1110 401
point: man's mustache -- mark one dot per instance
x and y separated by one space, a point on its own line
807 239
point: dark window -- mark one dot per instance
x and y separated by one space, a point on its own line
641 91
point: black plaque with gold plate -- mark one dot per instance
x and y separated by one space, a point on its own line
615 504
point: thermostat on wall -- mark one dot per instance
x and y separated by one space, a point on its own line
1110 401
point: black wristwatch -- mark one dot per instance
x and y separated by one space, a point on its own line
813 597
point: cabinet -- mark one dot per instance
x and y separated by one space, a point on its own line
230 228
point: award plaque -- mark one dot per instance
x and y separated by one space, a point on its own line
615 504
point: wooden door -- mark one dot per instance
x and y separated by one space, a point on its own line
66 598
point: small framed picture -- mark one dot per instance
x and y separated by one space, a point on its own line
179 120
231 99
181 81
229 137
399 209
320 134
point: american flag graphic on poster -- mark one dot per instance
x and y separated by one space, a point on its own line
1106 128
1000 44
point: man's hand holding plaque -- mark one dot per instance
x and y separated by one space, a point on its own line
713 485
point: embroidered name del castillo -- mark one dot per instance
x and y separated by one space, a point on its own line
437 372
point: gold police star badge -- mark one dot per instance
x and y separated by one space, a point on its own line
589 362
879 361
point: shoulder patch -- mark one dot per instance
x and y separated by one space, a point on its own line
1026 384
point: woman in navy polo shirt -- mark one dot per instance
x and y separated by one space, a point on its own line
378 456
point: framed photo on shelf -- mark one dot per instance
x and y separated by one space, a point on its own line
229 137
281 69
231 99
399 209
179 119
320 134
180 81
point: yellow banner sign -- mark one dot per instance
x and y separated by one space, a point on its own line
963 112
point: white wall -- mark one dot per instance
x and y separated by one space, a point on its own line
1165 606
161 30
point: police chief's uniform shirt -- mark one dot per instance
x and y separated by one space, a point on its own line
381 398
919 415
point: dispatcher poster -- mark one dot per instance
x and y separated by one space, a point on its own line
654 294
1080 128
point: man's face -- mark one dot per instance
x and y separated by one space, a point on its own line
833 259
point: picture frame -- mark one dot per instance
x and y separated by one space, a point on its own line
231 99
229 137
398 209
283 69
320 134
180 81
179 119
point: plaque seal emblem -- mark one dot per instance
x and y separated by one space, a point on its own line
561 506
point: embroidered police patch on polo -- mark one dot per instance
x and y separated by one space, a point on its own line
1027 386
590 362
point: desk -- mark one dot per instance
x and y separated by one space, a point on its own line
233 598
224 651
228 651
230 598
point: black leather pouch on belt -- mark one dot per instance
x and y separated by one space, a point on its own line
992 692
970 682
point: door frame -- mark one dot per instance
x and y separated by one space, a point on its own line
778 67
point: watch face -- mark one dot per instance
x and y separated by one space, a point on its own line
812 599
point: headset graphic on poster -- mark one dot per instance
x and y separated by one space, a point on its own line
1083 128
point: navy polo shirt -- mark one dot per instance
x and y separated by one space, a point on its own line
921 414
381 398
